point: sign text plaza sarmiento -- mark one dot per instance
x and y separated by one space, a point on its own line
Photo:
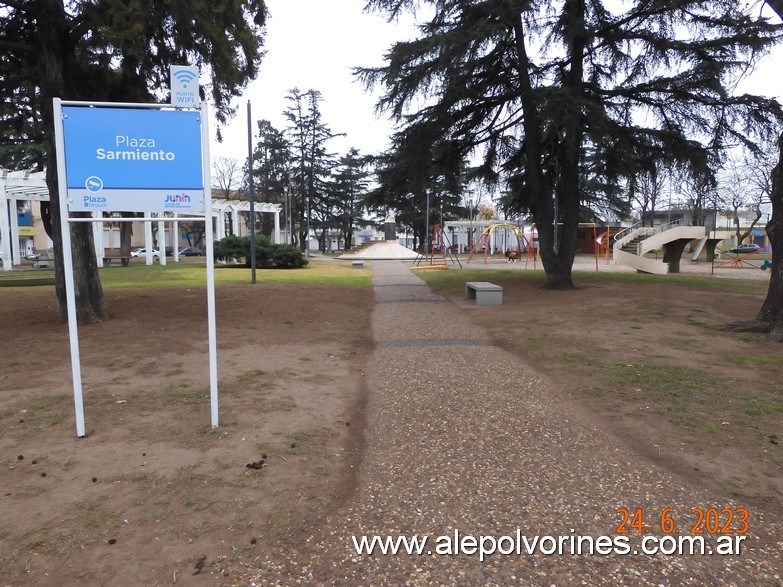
121 159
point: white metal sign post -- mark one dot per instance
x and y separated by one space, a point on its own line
135 158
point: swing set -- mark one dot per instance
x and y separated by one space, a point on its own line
526 245
440 244
484 241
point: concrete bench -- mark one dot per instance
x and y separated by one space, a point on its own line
485 293
43 263
124 260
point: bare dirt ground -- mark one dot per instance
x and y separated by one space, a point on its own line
153 495
652 363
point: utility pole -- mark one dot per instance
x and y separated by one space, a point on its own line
251 195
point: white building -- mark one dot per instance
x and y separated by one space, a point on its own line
22 231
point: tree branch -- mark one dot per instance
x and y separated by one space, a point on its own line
777 6
20 6
11 46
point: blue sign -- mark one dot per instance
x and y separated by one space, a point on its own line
136 160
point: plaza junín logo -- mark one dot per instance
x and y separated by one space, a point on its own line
177 201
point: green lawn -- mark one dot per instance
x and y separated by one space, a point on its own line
189 275
444 281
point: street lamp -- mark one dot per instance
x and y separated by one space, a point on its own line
307 235
285 208
251 195
470 219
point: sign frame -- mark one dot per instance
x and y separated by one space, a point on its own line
66 220
133 159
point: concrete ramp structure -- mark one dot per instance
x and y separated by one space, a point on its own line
389 249
381 250
631 245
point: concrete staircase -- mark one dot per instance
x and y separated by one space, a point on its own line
631 245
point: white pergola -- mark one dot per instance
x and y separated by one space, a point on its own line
18 186
220 208
467 232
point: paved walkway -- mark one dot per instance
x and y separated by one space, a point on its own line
462 437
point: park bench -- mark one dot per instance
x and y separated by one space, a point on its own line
123 259
44 263
485 293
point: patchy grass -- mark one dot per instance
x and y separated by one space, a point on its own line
42 278
453 282
757 360
151 455
323 273
703 324
683 395
98 517
650 356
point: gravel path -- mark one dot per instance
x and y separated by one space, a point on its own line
463 437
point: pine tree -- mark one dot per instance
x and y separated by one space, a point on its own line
311 162
535 87
770 317
113 50
415 176
349 189
271 162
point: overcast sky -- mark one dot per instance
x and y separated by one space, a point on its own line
314 44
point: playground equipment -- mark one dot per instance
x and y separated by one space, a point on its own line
633 243
738 262
604 242
439 243
483 243
529 245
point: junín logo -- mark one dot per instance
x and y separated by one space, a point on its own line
184 77
177 199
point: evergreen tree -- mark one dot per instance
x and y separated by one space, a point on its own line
770 317
349 190
418 174
112 50
271 162
535 87
21 133
310 161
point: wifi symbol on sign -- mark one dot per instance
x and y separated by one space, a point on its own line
184 77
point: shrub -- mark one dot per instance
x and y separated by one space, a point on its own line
231 247
263 251
238 247
288 257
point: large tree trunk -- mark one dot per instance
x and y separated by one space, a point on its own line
349 238
557 241
770 317
771 313
126 236
557 263
52 50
